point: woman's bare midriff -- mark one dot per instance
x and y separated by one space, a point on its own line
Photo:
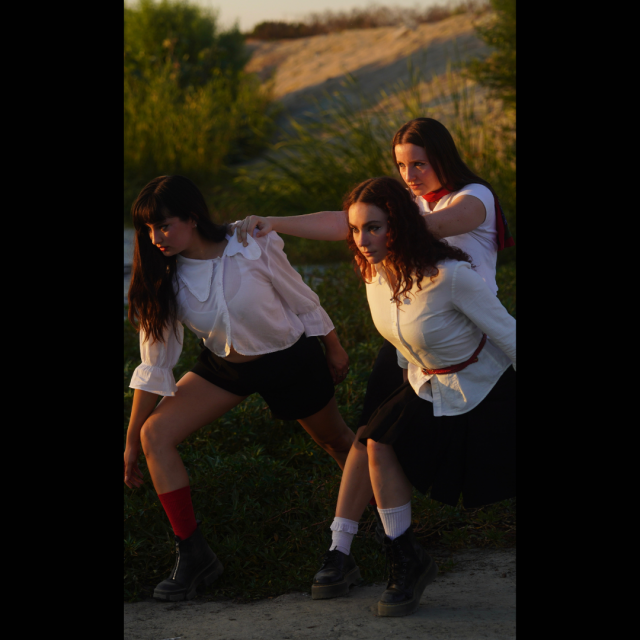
238 358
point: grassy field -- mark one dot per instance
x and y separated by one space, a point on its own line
266 493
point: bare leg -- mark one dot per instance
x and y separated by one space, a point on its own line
391 487
329 430
355 488
196 403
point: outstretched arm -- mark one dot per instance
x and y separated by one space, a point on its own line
323 225
151 379
464 215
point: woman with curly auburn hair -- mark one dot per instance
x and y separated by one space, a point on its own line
259 325
454 203
450 427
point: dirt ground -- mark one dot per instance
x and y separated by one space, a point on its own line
475 600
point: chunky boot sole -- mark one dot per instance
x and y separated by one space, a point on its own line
341 588
410 606
207 576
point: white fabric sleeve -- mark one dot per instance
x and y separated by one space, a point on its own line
485 196
155 374
403 363
294 292
471 296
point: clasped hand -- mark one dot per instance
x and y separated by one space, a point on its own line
246 227
338 361
132 474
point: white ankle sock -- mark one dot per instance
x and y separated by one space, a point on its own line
343 531
396 521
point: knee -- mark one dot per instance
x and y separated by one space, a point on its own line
357 445
376 450
153 437
339 444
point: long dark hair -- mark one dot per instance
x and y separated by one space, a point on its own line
152 298
441 150
412 249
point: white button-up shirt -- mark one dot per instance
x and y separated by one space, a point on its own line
442 325
250 297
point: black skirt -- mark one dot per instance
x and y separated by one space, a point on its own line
472 454
384 379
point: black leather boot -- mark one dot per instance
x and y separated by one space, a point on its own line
337 573
195 563
410 571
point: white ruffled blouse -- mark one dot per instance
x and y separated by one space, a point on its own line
250 297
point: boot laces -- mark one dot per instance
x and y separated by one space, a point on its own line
330 558
397 563
175 568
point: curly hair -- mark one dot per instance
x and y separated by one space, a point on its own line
412 250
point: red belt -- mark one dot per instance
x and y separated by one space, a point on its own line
459 367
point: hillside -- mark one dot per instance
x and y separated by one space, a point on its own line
302 70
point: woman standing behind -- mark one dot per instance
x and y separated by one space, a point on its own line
450 428
257 321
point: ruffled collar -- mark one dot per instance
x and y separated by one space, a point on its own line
197 275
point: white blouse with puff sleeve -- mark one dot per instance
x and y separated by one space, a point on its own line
250 297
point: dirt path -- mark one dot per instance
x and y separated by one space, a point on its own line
475 600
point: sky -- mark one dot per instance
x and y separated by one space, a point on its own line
250 12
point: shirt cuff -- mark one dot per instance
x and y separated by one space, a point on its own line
154 380
316 323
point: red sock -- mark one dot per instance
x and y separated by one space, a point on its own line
373 502
179 509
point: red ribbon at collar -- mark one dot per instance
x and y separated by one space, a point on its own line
434 196
504 238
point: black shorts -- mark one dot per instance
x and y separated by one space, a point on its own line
295 382
473 454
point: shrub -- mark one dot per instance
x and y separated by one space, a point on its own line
362 18
188 106
498 70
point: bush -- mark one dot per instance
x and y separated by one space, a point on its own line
361 18
498 70
188 106
267 493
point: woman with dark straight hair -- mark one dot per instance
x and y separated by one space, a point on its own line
449 428
257 322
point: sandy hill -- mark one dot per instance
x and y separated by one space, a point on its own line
307 68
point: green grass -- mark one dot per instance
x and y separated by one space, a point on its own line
266 493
